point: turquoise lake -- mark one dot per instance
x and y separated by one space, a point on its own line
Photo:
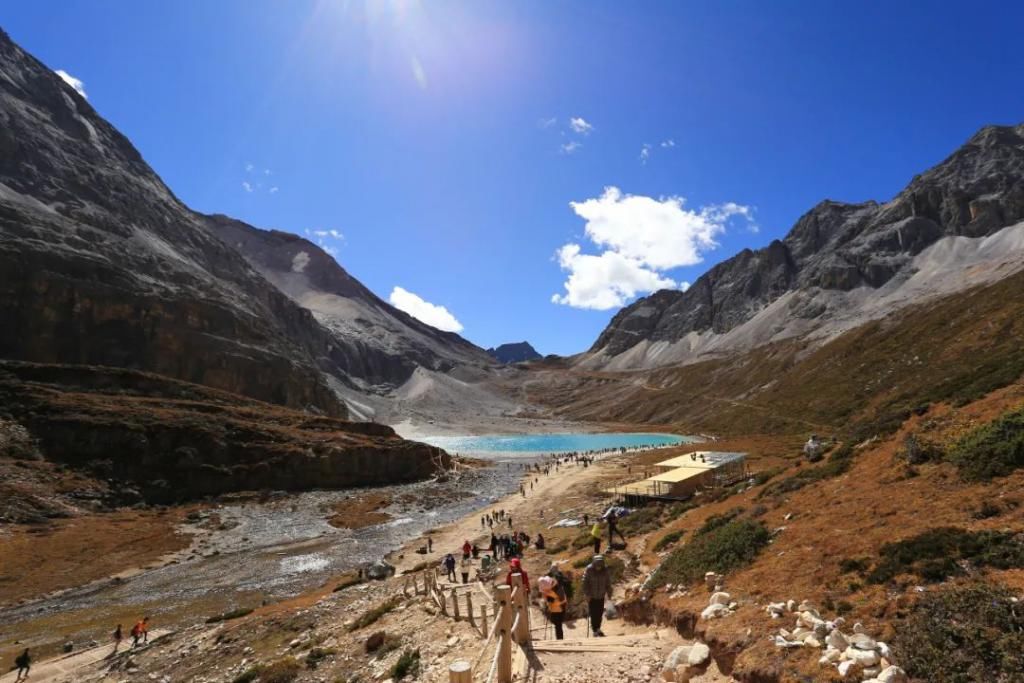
552 443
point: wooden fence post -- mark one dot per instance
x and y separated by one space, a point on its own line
455 605
504 655
441 601
469 608
483 620
460 672
522 608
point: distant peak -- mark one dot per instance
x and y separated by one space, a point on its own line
518 352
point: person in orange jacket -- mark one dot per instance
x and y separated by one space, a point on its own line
554 600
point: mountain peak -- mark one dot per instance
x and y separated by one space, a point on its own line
517 352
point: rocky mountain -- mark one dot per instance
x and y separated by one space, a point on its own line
514 353
101 264
955 226
375 344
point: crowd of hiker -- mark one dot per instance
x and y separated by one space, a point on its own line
139 634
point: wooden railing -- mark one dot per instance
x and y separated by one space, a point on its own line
511 626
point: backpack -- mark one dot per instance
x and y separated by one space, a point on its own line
595 530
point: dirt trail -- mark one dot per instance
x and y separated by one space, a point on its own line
61 668
544 499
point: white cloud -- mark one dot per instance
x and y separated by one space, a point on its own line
75 83
273 190
249 167
547 123
336 234
330 250
266 171
321 233
668 143
247 186
640 238
645 153
424 311
580 125
570 147
605 281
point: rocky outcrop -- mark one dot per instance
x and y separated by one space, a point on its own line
839 247
162 441
520 352
373 342
101 264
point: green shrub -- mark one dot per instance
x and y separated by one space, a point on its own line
916 451
850 565
992 450
727 547
963 634
676 510
372 615
282 671
987 510
716 521
935 555
641 521
838 463
233 614
317 655
558 548
250 675
583 540
408 664
668 539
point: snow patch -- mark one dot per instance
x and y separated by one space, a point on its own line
299 262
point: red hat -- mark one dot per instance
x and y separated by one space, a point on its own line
514 562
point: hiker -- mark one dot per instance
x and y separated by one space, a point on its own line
449 565
516 567
466 548
554 600
613 528
494 546
586 519
24 664
510 521
540 541
482 523
118 637
597 585
430 544
476 551
140 631
563 581
595 533
464 568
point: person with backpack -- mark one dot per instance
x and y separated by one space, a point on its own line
554 601
140 631
464 567
597 585
24 664
449 565
118 637
595 533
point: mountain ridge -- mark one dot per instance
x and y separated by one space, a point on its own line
514 352
833 248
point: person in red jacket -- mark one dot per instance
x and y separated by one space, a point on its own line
515 567
466 548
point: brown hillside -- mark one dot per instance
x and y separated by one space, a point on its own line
866 381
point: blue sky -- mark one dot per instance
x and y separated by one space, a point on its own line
462 151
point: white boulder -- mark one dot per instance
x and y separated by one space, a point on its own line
720 598
892 674
699 654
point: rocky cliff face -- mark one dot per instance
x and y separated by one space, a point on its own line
833 251
514 353
371 340
149 438
101 264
